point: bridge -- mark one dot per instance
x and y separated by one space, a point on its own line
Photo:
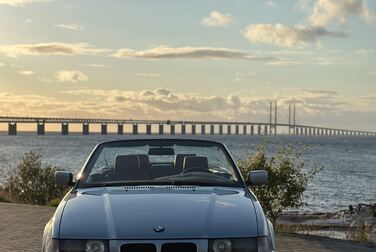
181 127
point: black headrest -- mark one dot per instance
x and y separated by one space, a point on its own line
195 162
144 161
126 163
179 160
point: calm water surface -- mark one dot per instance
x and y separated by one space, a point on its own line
349 176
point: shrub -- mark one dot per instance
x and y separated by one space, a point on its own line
287 178
31 183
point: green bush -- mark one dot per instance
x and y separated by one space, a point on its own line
31 183
287 178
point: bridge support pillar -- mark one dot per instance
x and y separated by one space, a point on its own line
310 131
64 128
183 130
202 129
193 131
148 129
172 129
135 129
212 129
12 129
120 129
161 132
259 130
301 131
236 129
104 129
40 128
221 129
245 129
85 128
229 129
252 130
265 129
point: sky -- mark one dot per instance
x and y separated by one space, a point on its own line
201 60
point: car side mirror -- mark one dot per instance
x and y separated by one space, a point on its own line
258 177
63 178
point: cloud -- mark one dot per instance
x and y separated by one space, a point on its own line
217 19
284 63
325 61
287 36
53 48
365 51
71 76
270 4
164 52
327 11
153 75
71 26
19 3
26 72
240 76
314 106
1 64
97 65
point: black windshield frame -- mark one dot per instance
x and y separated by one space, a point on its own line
165 142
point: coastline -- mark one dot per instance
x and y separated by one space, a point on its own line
356 223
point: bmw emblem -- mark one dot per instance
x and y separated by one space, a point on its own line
159 229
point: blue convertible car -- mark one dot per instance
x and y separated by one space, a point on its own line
159 195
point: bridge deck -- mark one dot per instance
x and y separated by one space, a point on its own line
65 121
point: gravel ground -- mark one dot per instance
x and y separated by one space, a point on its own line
21 228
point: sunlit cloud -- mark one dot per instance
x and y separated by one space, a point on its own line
70 26
327 11
71 76
19 3
26 72
217 19
314 106
287 36
164 52
53 48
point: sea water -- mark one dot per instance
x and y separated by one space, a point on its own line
348 177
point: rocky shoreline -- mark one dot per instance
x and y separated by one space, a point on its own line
355 223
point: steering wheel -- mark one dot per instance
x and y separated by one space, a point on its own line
196 169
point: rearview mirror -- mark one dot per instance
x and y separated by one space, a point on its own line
258 177
161 151
63 178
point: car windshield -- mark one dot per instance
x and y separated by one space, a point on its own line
159 162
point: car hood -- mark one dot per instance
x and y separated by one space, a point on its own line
133 212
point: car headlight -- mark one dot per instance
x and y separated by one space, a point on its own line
83 246
233 245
